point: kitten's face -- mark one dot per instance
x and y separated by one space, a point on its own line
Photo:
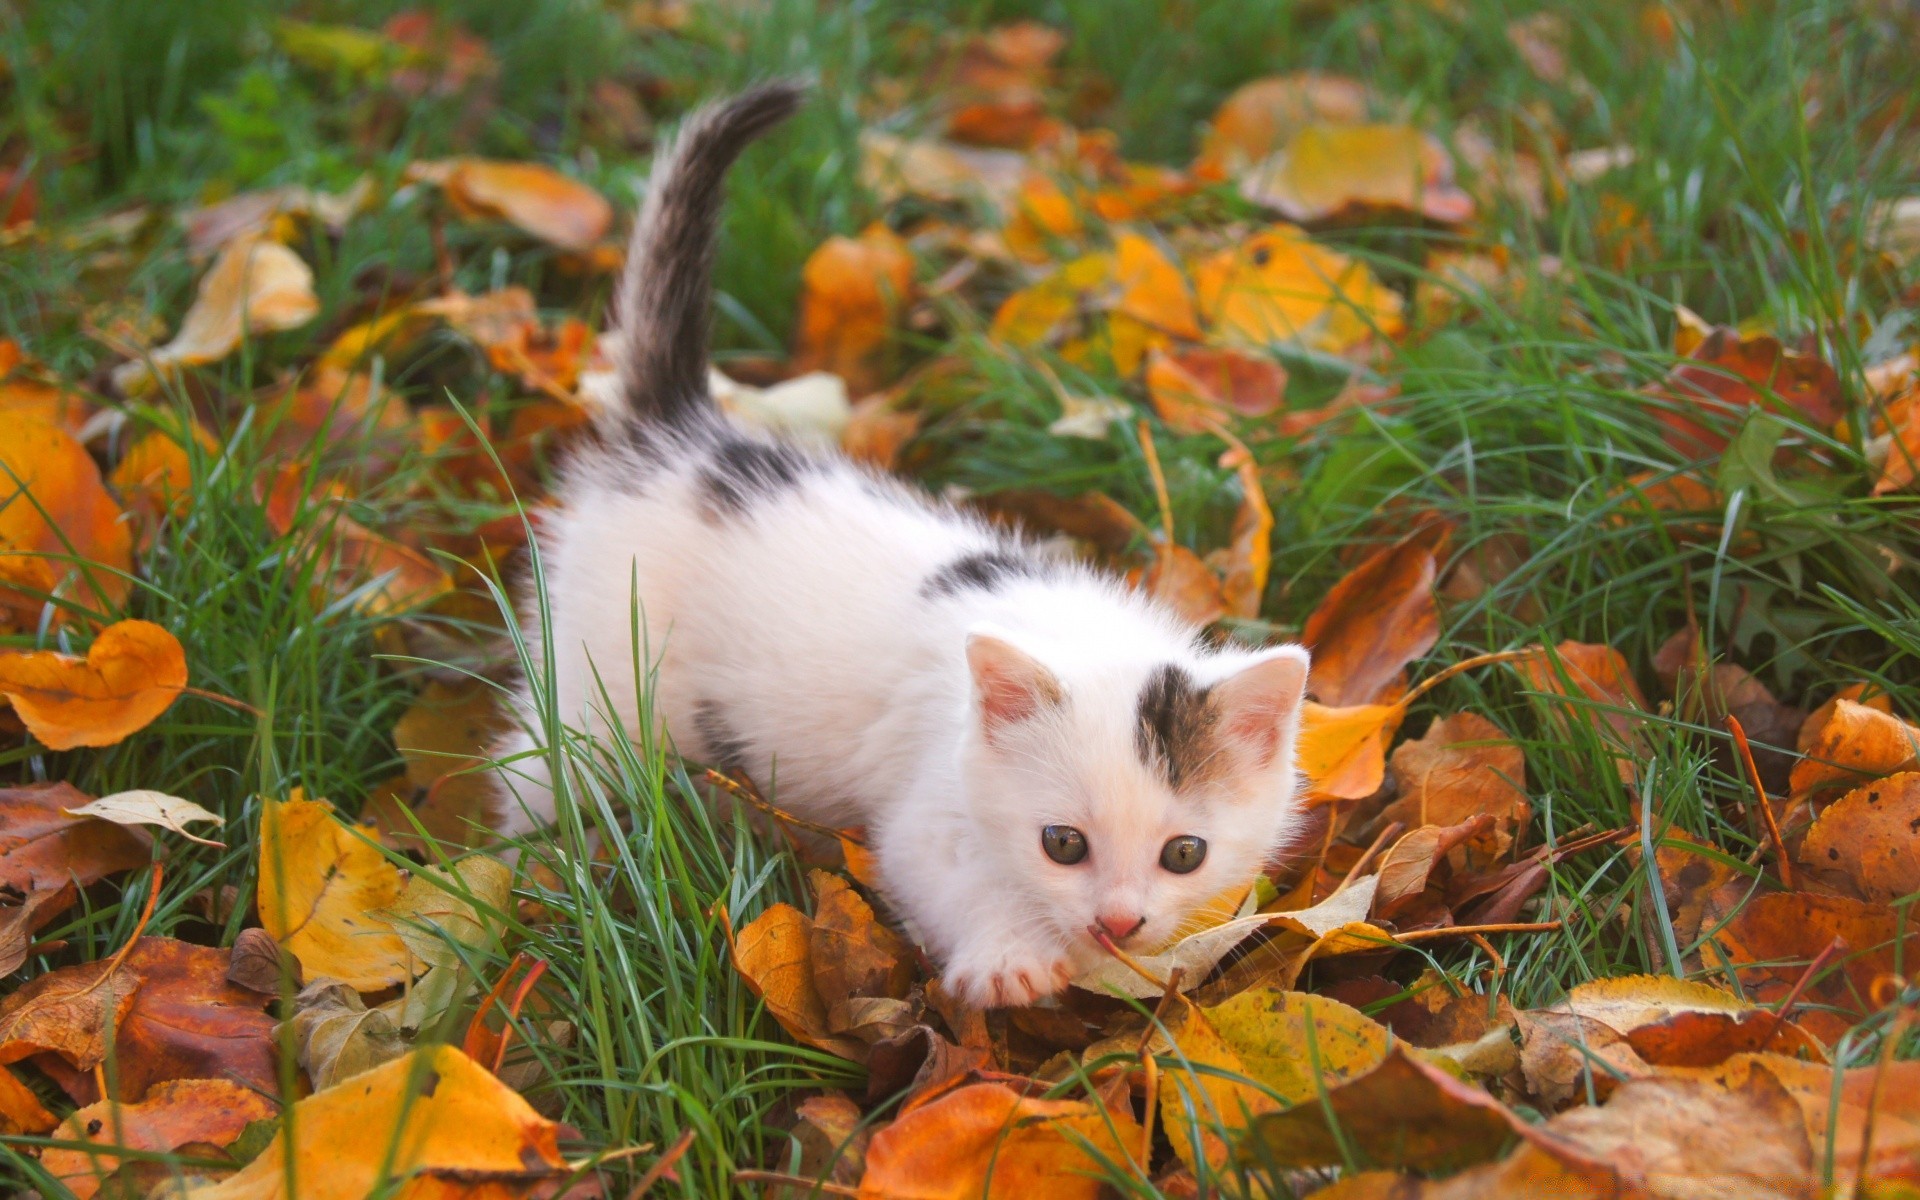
1123 805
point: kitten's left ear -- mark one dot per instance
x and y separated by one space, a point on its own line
1010 684
1260 703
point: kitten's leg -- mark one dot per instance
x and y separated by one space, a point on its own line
995 947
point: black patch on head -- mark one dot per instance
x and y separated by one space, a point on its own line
983 569
744 470
1175 732
725 750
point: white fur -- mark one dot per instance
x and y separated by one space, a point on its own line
804 621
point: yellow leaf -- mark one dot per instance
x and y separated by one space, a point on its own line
429 1118
1281 286
1152 289
1343 751
1296 1044
320 884
1327 170
54 509
255 286
1203 1091
1040 314
540 200
130 674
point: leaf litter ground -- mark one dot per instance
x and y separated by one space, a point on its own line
1611 769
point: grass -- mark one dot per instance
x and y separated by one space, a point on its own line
1764 137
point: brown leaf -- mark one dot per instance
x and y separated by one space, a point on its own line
852 291
1198 388
1691 1038
19 922
1727 374
558 210
1581 672
986 1141
833 1139
1179 579
1838 1106
1249 560
1409 868
61 534
1404 1112
131 674
1853 743
774 955
1773 937
258 964
175 1114
1381 616
1461 767
172 1013
852 953
1867 839
383 576
42 847
256 285
448 730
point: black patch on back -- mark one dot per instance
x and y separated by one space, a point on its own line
725 750
983 569
743 470
1175 733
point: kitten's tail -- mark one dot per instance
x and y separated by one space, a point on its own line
666 289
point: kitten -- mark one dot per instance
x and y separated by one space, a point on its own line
1036 751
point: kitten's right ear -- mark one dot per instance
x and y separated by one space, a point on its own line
1010 684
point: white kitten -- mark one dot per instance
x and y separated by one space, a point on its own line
1034 749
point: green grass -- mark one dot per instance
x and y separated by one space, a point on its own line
1764 138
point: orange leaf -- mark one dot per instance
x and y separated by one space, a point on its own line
986 1141
1598 674
1462 767
1771 939
1343 751
132 672
51 497
1381 616
851 294
1152 289
1261 116
1280 286
1712 389
1328 171
560 211
1195 389
1847 743
256 285
1179 579
774 954
202 1112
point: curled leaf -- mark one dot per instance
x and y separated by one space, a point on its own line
131 674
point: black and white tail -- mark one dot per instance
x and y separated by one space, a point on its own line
666 290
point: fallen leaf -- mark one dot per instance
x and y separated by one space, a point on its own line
810 408
259 213
1343 751
1206 1096
1196 389
986 1141
1727 374
1262 116
1402 1112
30 391
1153 291
1773 937
852 292
320 883
833 1138
434 1117
1591 680
1181 580
539 200
774 954
852 953
1462 767
1088 416
339 1036
1867 839
1851 743
1380 617
1327 172
383 576
166 1011
61 534
141 807
45 843
255 285
19 921
444 59
1279 286
1249 560
130 675
1838 1107
893 168
155 475
174 1115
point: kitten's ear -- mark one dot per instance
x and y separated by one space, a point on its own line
1260 703
1010 684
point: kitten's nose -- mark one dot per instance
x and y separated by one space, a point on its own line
1120 926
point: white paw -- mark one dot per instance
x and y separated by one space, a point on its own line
1007 977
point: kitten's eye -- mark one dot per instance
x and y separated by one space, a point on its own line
1183 854
1064 844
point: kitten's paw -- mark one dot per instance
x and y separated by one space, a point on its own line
1007 978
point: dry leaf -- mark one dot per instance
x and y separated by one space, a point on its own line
1195 390
1867 839
61 534
1280 286
1335 171
1848 742
1462 767
986 1141
142 807
559 211
434 1116
383 576
1243 583
1380 617
1179 579
1343 751
1726 375
1262 116
774 954
320 883
255 286
260 213
1772 938
893 168
1579 673
174 1115
131 674
852 292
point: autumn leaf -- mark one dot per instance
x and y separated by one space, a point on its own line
539 200
145 807
319 884
1196 389
1380 617
1770 940
1260 117
155 475
1866 839
449 729
433 1116
261 213
255 285
383 576
47 853
1279 286
130 675
1848 742
1249 560
852 292
1331 171
29 390
1726 374
1461 767
1597 693
1343 751
986 1140
61 534
174 1114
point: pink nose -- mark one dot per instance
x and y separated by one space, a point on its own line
1120 926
